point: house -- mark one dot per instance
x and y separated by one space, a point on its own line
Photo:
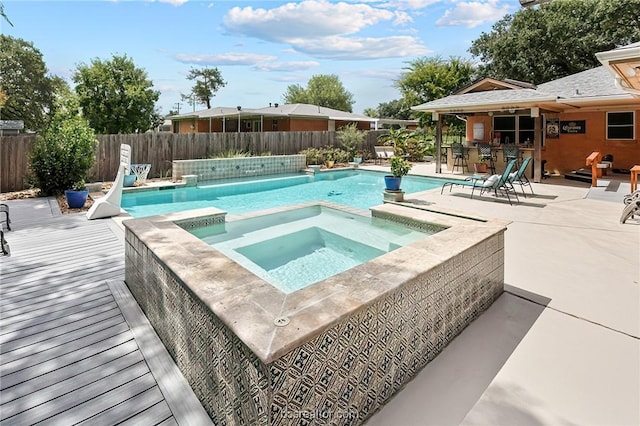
560 122
274 118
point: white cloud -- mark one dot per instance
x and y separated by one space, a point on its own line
173 2
473 13
307 19
224 59
408 4
327 30
286 66
344 48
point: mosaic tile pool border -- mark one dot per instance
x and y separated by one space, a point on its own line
226 168
379 325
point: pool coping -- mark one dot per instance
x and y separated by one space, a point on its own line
254 310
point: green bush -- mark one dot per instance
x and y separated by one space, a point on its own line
351 138
61 158
399 166
313 155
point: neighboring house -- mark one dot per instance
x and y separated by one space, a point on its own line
562 121
274 118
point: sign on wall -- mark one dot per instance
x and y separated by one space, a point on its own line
575 126
552 128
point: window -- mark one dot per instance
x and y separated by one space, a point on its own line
506 127
526 126
517 129
620 125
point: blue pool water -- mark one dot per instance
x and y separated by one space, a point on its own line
355 188
299 247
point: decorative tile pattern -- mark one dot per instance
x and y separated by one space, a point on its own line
201 222
340 376
226 168
430 228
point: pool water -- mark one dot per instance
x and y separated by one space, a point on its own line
355 188
299 247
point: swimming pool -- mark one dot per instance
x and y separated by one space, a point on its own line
355 188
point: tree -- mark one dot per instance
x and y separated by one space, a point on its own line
371 112
557 39
28 89
4 15
427 79
397 109
115 96
322 90
208 82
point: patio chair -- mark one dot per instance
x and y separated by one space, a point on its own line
383 152
493 182
520 176
459 156
485 154
511 152
7 220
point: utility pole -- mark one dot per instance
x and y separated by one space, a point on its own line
177 104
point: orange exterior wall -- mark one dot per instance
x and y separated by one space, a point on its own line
305 124
569 151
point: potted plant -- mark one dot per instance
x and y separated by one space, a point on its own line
480 166
62 157
399 167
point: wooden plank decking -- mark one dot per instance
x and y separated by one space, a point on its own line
73 341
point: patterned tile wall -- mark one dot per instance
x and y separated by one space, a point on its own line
225 168
340 377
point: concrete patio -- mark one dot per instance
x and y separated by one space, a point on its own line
560 346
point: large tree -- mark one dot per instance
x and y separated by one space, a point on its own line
116 96
207 82
28 89
557 39
324 90
427 79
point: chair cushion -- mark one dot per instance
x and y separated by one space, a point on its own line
490 181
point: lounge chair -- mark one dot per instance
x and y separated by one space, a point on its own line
383 153
493 182
520 176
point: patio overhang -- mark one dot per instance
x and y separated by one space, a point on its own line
624 64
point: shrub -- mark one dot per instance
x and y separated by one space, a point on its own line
399 166
351 138
61 158
313 155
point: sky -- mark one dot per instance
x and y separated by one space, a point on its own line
260 47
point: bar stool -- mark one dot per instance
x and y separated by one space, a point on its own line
459 158
485 154
511 152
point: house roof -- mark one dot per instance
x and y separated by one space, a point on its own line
583 88
286 110
624 65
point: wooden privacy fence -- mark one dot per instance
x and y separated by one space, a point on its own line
160 149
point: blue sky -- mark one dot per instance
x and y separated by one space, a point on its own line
260 47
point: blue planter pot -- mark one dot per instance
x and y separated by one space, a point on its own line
129 180
392 183
76 199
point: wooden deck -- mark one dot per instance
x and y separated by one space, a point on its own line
74 345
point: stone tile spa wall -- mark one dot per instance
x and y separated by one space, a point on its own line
353 340
225 168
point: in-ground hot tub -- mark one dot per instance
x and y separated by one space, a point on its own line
295 248
331 352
